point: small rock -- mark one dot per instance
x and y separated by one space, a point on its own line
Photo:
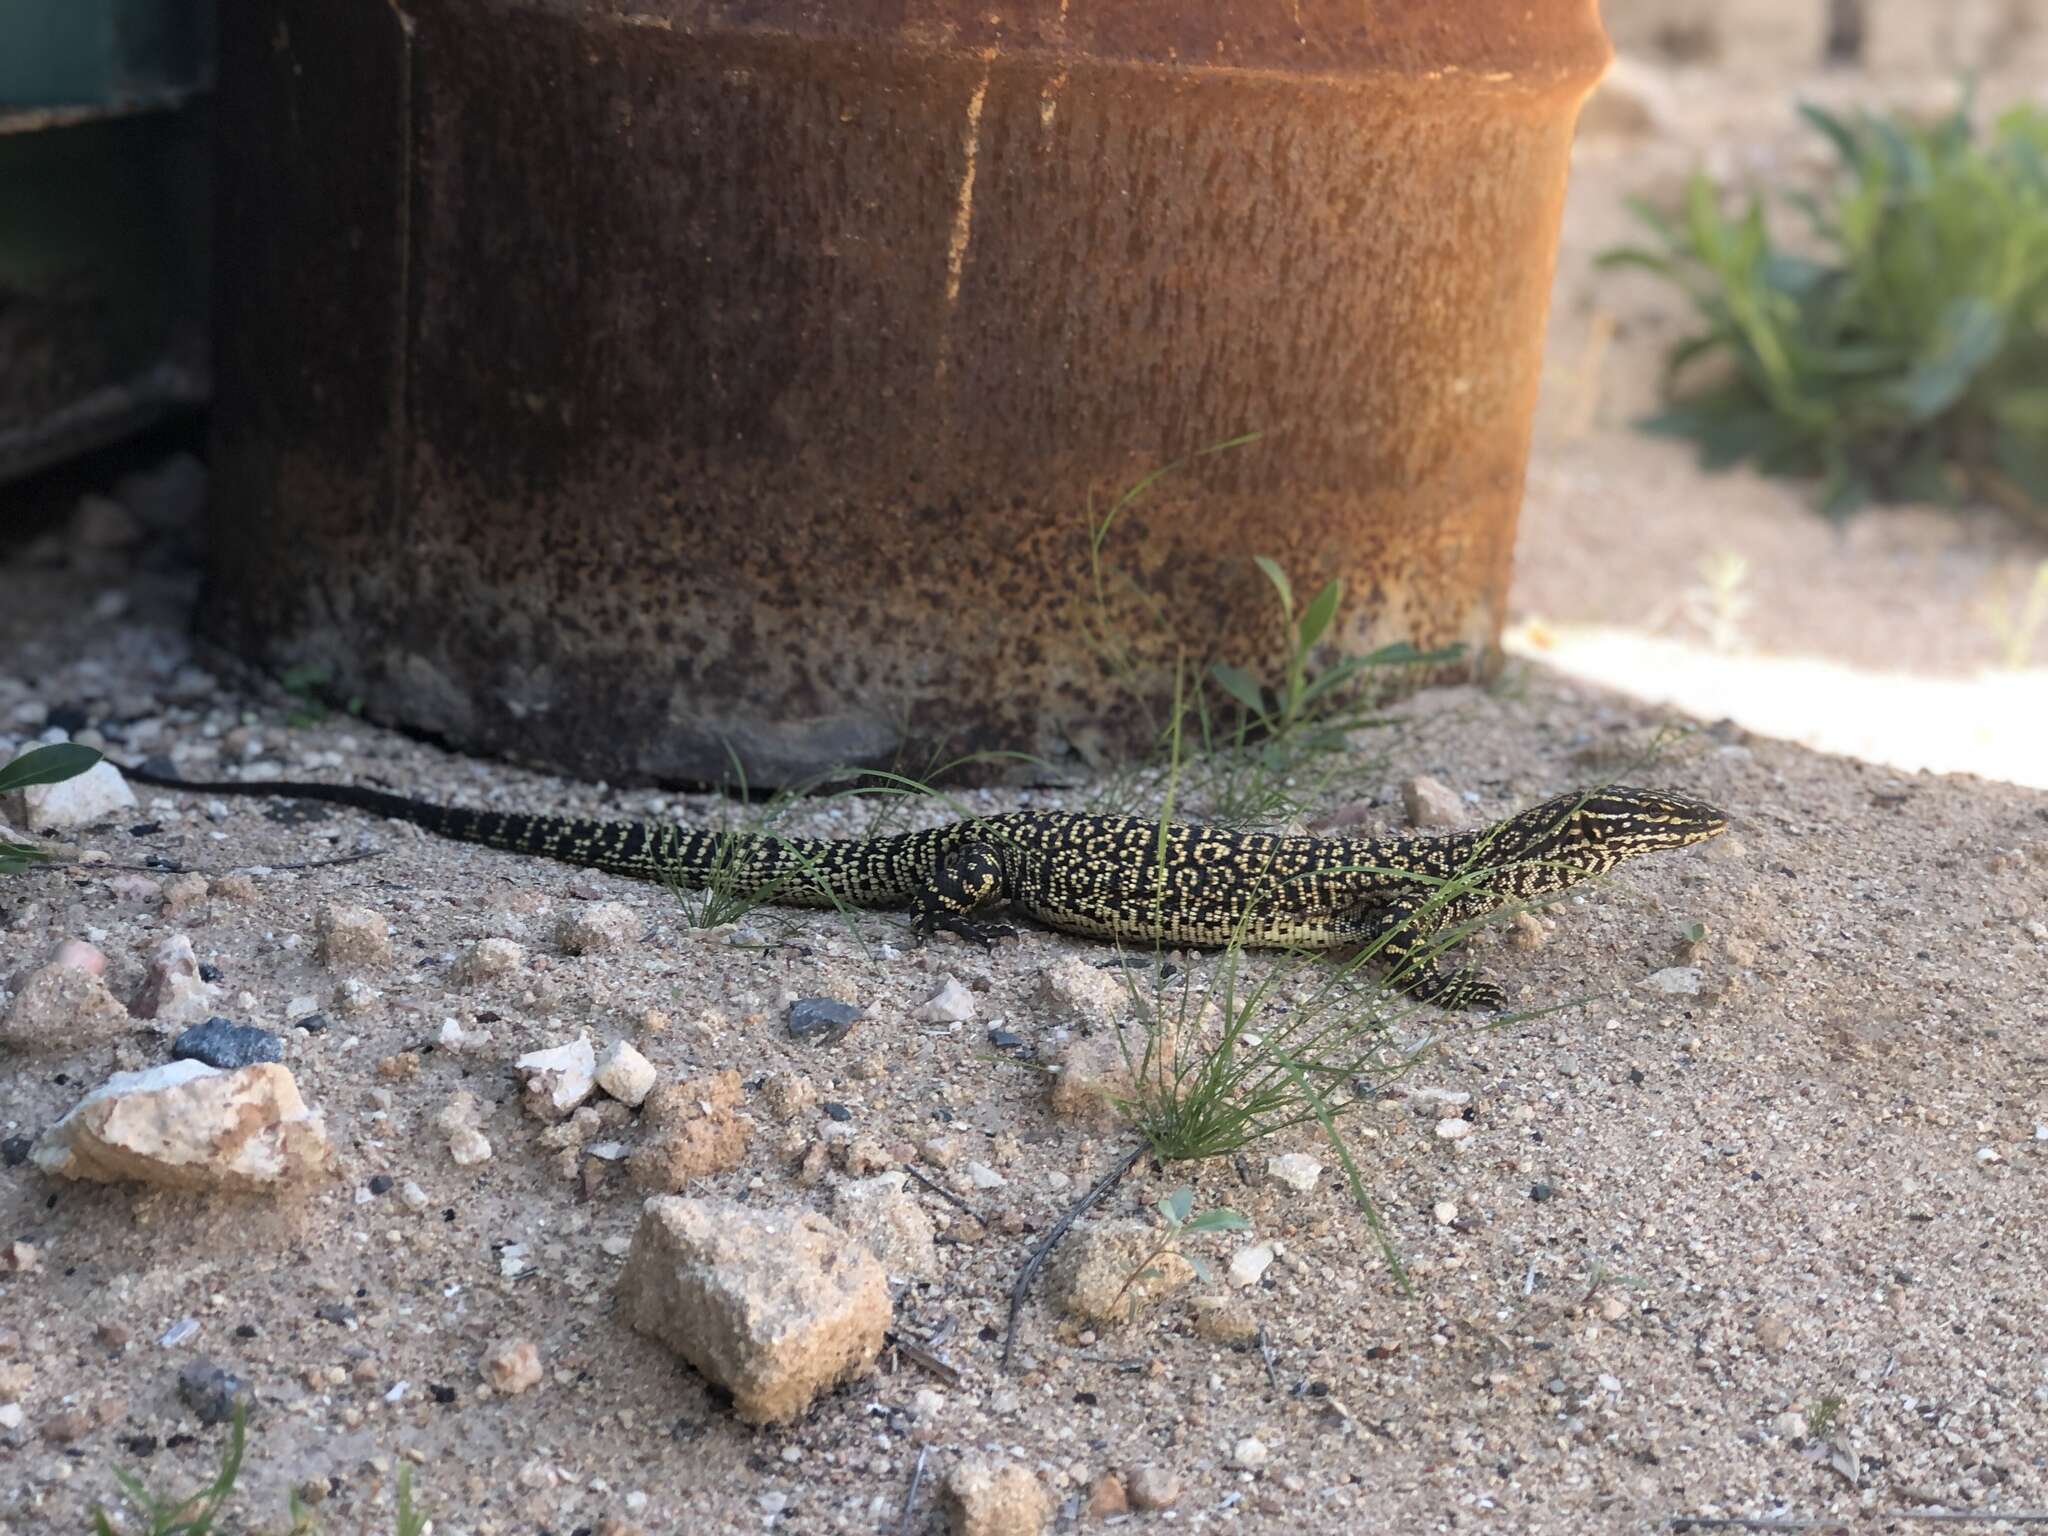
1445 1212
212 1393
788 1094
774 1306
822 1020
62 1008
348 937
1789 1426
19 1258
133 887
1454 1128
1250 1264
1773 1335
233 888
1249 1453
1296 1170
1432 803
1528 932
10 1416
558 1079
602 928
1153 1487
1099 1275
460 1120
625 1074
173 991
951 1004
227 1045
692 1129
1223 1320
68 1427
1106 1497
185 893
1073 990
984 1177
895 1227
487 960
94 795
79 956
1096 1076
190 1126
353 998
511 1366
1677 980
983 1497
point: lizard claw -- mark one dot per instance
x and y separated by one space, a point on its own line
984 934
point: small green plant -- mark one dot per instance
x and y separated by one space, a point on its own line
1308 714
1179 1221
1821 1415
1717 605
39 765
193 1515
197 1513
2015 625
308 686
1901 351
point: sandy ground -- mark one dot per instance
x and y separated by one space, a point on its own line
1819 1181
1788 1266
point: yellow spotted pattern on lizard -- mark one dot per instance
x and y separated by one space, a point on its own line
1117 877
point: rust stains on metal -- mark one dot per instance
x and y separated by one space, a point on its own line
612 385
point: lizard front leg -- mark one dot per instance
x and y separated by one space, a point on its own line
1404 930
962 883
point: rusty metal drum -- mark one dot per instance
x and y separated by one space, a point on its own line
637 386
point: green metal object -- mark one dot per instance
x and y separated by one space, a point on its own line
104 221
104 54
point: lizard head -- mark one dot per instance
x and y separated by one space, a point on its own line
1590 831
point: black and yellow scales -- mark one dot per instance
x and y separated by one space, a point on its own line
1117 877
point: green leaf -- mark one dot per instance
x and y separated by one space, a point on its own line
1321 610
1837 132
47 765
1637 256
1693 933
1279 579
1968 336
1201 1268
1222 1220
1403 654
1175 1207
1240 685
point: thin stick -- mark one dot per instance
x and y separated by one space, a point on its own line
1051 1240
173 867
919 1354
1266 1352
943 1193
910 1498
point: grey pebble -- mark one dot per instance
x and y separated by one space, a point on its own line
212 1393
825 1018
225 1044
